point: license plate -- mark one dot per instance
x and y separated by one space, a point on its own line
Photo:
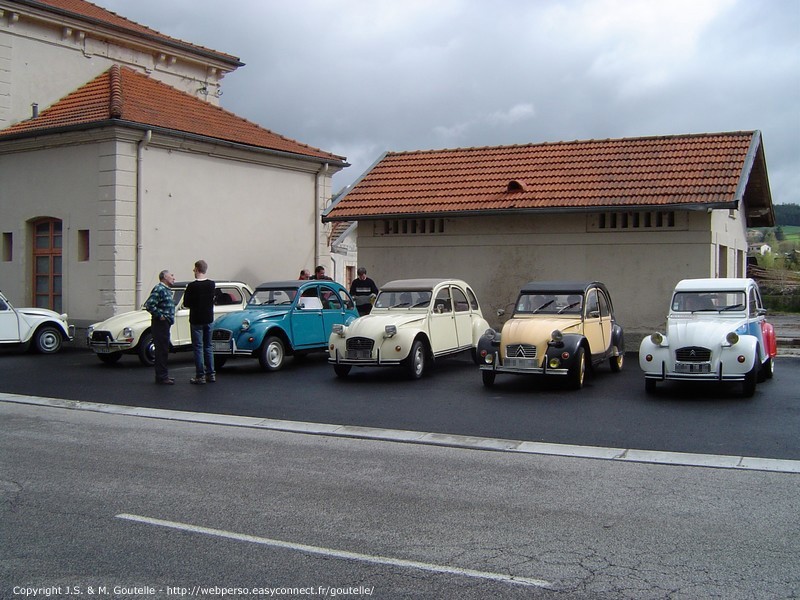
521 363
693 367
103 350
221 347
359 354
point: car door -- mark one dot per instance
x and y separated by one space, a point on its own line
605 318
592 325
463 318
307 319
442 322
9 323
332 309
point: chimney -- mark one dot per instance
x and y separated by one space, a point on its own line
34 110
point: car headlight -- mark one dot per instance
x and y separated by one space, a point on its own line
89 331
557 335
732 338
657 338
390 330
338 329
127 332
245 324
491 335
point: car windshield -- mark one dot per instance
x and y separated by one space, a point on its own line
693 302
404 299
272 296
552 304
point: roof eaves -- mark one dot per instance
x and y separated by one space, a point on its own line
694 206
170 132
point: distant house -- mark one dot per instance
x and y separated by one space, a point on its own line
638 214
116 161
760 248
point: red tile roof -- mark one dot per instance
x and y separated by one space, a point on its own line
125 96
91 13
582 175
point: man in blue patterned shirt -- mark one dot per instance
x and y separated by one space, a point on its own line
161 307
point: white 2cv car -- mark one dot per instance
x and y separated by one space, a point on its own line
45 329
413 322
716 331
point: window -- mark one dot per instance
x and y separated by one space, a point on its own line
329 299
410 227
83 245
473 300
460 300
47 267
8 253
604 310
637 221
443 304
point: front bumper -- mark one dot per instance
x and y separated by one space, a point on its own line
109 346
522 368
670 374
371 361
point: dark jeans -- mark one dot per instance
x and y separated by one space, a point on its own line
160 331
203 352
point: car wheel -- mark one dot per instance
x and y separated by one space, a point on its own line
146 349
650 386
749 383
577 372
219 361
488 378
616 362
769 368
342 370
48 340
110 358
415 363
273 354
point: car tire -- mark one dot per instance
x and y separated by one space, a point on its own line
488 378
146 350
48 340
415 364
769 368
750 380
111 358
273 354
219 361
342 370
616 362
577 372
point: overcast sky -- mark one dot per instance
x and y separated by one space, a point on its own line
360 77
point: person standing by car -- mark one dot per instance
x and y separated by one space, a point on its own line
363 290
319 273
199 299
161 307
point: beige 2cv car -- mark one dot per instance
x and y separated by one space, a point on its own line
129 332
558 329
413 322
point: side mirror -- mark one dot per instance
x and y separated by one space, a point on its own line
501 312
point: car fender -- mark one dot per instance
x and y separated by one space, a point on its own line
569 344
618 338
747 346
479 327
404 339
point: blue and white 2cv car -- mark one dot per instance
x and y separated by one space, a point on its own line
716 331
38 328
413 322
283 318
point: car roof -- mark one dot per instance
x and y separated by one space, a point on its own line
421 284
711 284
218 282
561 287
295 283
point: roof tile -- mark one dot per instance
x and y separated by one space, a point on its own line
654 171
125 95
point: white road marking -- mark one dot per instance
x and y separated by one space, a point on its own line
343 554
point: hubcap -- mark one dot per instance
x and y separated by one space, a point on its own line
49 341
274 355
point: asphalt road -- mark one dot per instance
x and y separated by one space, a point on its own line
98 505
611 411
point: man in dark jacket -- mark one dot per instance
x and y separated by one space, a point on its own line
162 310
199 299
363 290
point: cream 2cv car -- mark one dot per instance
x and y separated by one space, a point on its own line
413 322
129 332
716 331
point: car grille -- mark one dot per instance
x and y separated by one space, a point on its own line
693 354
520 351
102 336
359 348
221 335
